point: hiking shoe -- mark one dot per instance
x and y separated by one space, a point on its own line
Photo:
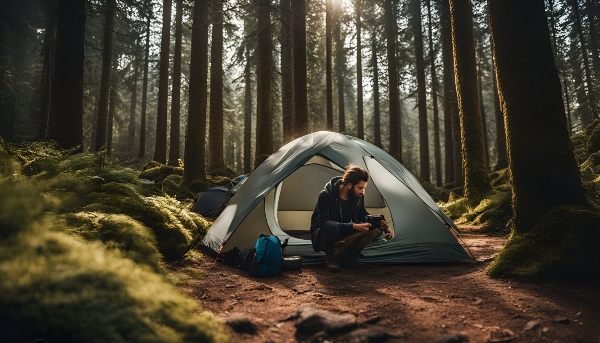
350 263
332 264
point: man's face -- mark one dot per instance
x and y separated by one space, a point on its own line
358 190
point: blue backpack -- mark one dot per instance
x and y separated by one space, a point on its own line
266 259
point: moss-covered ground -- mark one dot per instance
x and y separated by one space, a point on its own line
82 245
562 244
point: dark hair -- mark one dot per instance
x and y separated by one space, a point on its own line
354 175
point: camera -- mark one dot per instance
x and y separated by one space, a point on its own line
375 220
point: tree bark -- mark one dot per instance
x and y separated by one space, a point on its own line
451 142
287 71
160 146
300 79
133 104
264 110
476 180
436 124
107 55
542 164
340 61
142 152
593 113
65 122
215 133
390 32
111 112
591 14
174 137
328 62
247 115
194 170
48 69
483 120
376 110
502 161
359 79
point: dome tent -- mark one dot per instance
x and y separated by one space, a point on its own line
278 198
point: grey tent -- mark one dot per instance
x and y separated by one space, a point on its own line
209 200
278 198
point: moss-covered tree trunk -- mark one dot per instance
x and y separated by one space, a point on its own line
287 70
65 121
376 110
360 132
107 56
215 128
300 78
264 108
476 180
176 91
390 33
194 170
48 69
502 160
160 145
554 231
450 106
483 118
247 114
142 151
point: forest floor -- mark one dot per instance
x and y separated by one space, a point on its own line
412 303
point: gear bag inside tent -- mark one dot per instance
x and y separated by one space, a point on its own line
278 198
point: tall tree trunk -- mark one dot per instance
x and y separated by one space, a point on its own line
160 145
340 61
107 55
328 62
502 161
436 124
359 79
591 14
174 137
376 111
483 120
451 142
543 169
264 110
390 32
476 180
247 115
111 112
287 71
133 104
300 80
194 170
587 119
415 18
48 69
65 122
142 152
215 129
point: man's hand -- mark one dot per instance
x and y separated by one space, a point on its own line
362 227
388 234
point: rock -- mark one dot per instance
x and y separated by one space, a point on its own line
310 320
454 338
532 324
239 322
372 335
501 335
477 301
563 320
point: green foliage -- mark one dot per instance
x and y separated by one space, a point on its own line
592 142
563 244
441 193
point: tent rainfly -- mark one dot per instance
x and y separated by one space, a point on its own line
278 198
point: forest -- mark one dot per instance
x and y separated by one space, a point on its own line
116 114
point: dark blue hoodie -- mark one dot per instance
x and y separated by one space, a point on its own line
328 213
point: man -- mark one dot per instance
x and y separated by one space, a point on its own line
338 222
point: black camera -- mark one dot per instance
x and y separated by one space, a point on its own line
375 220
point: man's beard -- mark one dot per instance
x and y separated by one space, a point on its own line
354 194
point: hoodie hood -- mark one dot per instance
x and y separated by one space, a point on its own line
332 188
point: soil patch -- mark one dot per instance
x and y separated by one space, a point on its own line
411 303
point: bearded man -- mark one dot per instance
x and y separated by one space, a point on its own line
338 222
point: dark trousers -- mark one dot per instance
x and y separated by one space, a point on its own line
344 247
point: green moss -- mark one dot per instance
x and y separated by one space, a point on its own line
441 193
172 184
592 142
563 244
225 171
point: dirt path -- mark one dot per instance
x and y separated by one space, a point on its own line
413 303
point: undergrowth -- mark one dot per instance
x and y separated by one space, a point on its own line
81 247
